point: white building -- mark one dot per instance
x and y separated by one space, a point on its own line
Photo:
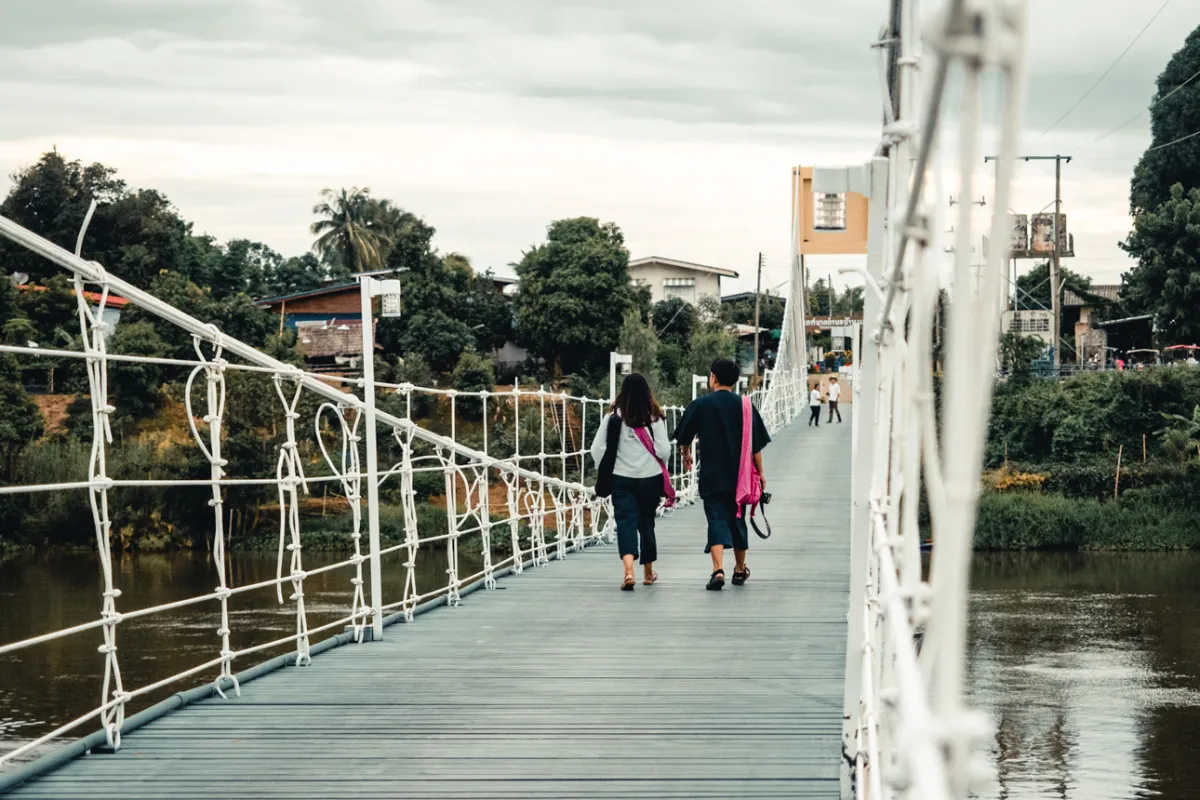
669 278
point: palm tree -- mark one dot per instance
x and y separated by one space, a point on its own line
354 226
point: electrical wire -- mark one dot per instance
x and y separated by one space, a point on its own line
1152 105
1151 149
1111 67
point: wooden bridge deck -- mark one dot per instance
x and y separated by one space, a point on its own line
556 685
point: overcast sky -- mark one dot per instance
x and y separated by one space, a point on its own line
677 119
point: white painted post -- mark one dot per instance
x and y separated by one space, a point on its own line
697 382
367 286
863 426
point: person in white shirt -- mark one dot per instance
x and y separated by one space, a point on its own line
814 405
835 391
636 473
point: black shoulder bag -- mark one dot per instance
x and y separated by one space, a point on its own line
612 441
761 507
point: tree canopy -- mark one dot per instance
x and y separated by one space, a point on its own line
1166 280
1175 115
135 234
354 228
575 292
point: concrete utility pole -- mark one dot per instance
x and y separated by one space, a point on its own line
757 310
1055 293
1055 255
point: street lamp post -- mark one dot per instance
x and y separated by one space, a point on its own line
389 291
625 362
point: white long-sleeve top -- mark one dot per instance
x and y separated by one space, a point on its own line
633 459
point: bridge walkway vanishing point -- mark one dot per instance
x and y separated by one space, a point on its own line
556 685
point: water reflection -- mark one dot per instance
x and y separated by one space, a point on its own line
1088 665
49 684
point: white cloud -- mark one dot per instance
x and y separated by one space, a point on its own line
680 119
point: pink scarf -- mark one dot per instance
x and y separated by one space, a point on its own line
643 436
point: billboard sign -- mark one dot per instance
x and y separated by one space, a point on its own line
1042 233
1020 233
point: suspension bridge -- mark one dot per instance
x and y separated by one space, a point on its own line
837 669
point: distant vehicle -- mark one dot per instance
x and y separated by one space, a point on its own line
1181 354
1143 357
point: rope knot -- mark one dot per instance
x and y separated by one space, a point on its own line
223 592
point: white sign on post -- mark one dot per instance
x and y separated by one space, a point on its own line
389 291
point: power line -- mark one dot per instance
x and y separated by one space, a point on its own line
1151 149
1107 71
1152 105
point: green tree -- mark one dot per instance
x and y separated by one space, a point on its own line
410 238
436 324
247 267
302 273
51 307
1018 351
819 299
488 312
1033 288
473 373
770 312
134 233
574 293
708 345
354 227
20 419
848 303
236 314
135 387
674 321
1171 158
1166 280
638 340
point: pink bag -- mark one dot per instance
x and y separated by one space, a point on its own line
643 436
749 485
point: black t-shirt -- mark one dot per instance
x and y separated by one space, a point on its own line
717 420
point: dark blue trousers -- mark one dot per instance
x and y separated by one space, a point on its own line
635 504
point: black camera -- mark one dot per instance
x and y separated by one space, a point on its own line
766 498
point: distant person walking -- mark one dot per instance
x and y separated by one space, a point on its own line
814 406
835 391
630 448
716 419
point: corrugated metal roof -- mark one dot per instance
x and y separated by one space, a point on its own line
1110 292
342 339
671 262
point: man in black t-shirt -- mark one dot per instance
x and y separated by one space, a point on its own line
716 419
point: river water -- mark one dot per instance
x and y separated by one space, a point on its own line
1088 664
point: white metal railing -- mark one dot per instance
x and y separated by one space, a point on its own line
523 503
908 732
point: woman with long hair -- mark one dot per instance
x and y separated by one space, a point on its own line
631 446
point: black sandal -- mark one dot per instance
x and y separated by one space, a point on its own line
627 585
739 578
715 584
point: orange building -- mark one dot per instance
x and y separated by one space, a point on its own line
828 224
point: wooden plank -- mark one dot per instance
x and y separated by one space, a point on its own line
557 685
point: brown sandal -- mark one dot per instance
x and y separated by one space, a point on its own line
653 579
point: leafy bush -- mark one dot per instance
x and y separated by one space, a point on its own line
1087 414
1049 521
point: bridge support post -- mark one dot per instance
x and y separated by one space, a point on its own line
863 423
367 287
